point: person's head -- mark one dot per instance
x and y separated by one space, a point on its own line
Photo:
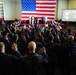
32 17
23 37
69 32
15 19
36 18
32 47
62 33
66 34
51 38
2 47
70 38
16 37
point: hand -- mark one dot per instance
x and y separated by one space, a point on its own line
43 50
5 37
14 47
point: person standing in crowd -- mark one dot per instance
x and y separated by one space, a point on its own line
29 19
46 24
53 51
58 28
32 62
15 50
8 62
54 22
36 22
69 56
2 24
32 20
46 19
42 21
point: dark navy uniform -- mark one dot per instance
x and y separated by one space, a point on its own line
31 64
8 64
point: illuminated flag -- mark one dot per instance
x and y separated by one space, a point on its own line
38 8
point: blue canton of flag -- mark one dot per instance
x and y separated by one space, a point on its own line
28 5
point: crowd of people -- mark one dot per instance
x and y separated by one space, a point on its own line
27 51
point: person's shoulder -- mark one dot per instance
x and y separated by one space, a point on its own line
11 57
8 58
35 56
39 56
57 44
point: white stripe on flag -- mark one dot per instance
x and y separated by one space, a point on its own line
28 12
45 1
46 5
38 19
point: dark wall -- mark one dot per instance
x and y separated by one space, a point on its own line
9 22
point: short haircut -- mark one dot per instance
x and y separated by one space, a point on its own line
70 37
31 45
1 46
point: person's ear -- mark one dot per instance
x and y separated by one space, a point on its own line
36 48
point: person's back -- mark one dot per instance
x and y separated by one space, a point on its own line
53 51
69 47
31 63
69 50
8 63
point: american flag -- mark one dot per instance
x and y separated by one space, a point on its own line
39 9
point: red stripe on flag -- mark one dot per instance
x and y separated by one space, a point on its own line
45 10
45 6
38 14
46 3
